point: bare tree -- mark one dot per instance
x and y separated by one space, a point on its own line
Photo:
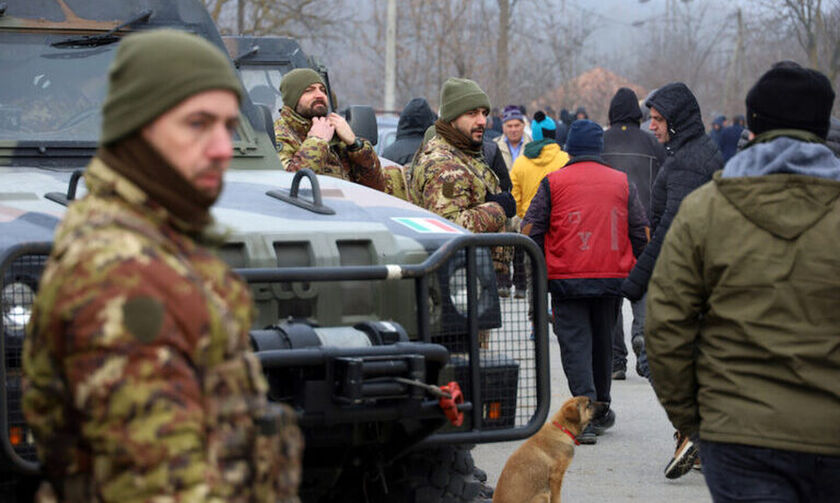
436 39
304 20
804 31
814 23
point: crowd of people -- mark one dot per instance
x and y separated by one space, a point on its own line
728 257
733 232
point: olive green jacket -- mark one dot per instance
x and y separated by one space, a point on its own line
743 313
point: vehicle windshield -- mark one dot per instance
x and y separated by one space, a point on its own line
263 85
50 93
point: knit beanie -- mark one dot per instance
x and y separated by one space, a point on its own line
458 96
512 112
790 97
295 83
155 70
585 138
543 127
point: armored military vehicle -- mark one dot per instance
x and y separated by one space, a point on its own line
368 305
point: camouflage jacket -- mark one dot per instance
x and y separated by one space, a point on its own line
140 383
447 181
296 151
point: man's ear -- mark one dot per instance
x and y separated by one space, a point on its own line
570 412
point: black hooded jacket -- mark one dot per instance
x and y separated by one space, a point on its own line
692 158
628 148
415 118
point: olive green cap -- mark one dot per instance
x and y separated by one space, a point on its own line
458 96
295 83
155 70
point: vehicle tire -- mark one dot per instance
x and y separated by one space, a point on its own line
437 474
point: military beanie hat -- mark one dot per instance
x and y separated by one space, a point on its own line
155 70
458 96
295 83
789 96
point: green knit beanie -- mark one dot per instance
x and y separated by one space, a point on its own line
155 70
460 95
295 83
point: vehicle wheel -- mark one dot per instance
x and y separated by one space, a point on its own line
438 474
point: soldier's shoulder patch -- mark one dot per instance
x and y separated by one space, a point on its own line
448 189
143 317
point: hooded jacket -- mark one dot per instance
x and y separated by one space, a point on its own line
692 158
537 160
415 118
742 320
628 148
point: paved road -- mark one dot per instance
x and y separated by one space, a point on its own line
626 464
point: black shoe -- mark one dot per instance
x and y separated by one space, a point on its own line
639 370
603 422
619 374
638 343
588 436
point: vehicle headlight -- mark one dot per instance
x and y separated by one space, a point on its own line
16 300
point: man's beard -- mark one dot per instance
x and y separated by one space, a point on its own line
469 134
476 130
316 109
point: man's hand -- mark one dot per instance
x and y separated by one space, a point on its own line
322 128
342 129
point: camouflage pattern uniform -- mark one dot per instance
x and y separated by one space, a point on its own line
141 385
297 151
453 184
395 182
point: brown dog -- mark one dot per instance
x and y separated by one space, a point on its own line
534 473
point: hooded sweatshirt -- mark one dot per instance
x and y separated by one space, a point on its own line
628 148
742 313
539 159
692 158
415 118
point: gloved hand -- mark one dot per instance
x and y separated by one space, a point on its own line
505 200
631 290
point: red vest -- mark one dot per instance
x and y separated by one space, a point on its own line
588 234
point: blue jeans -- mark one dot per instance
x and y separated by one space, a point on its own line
741 473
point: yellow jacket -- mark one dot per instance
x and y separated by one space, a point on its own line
526 174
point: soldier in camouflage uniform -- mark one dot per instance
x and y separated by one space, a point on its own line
139 381
449 175
308 136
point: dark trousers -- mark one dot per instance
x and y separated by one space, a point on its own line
739 473
637 328
520 276
584 329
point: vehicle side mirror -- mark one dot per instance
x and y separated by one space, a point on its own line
362 120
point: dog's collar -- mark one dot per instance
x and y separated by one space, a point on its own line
566 431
